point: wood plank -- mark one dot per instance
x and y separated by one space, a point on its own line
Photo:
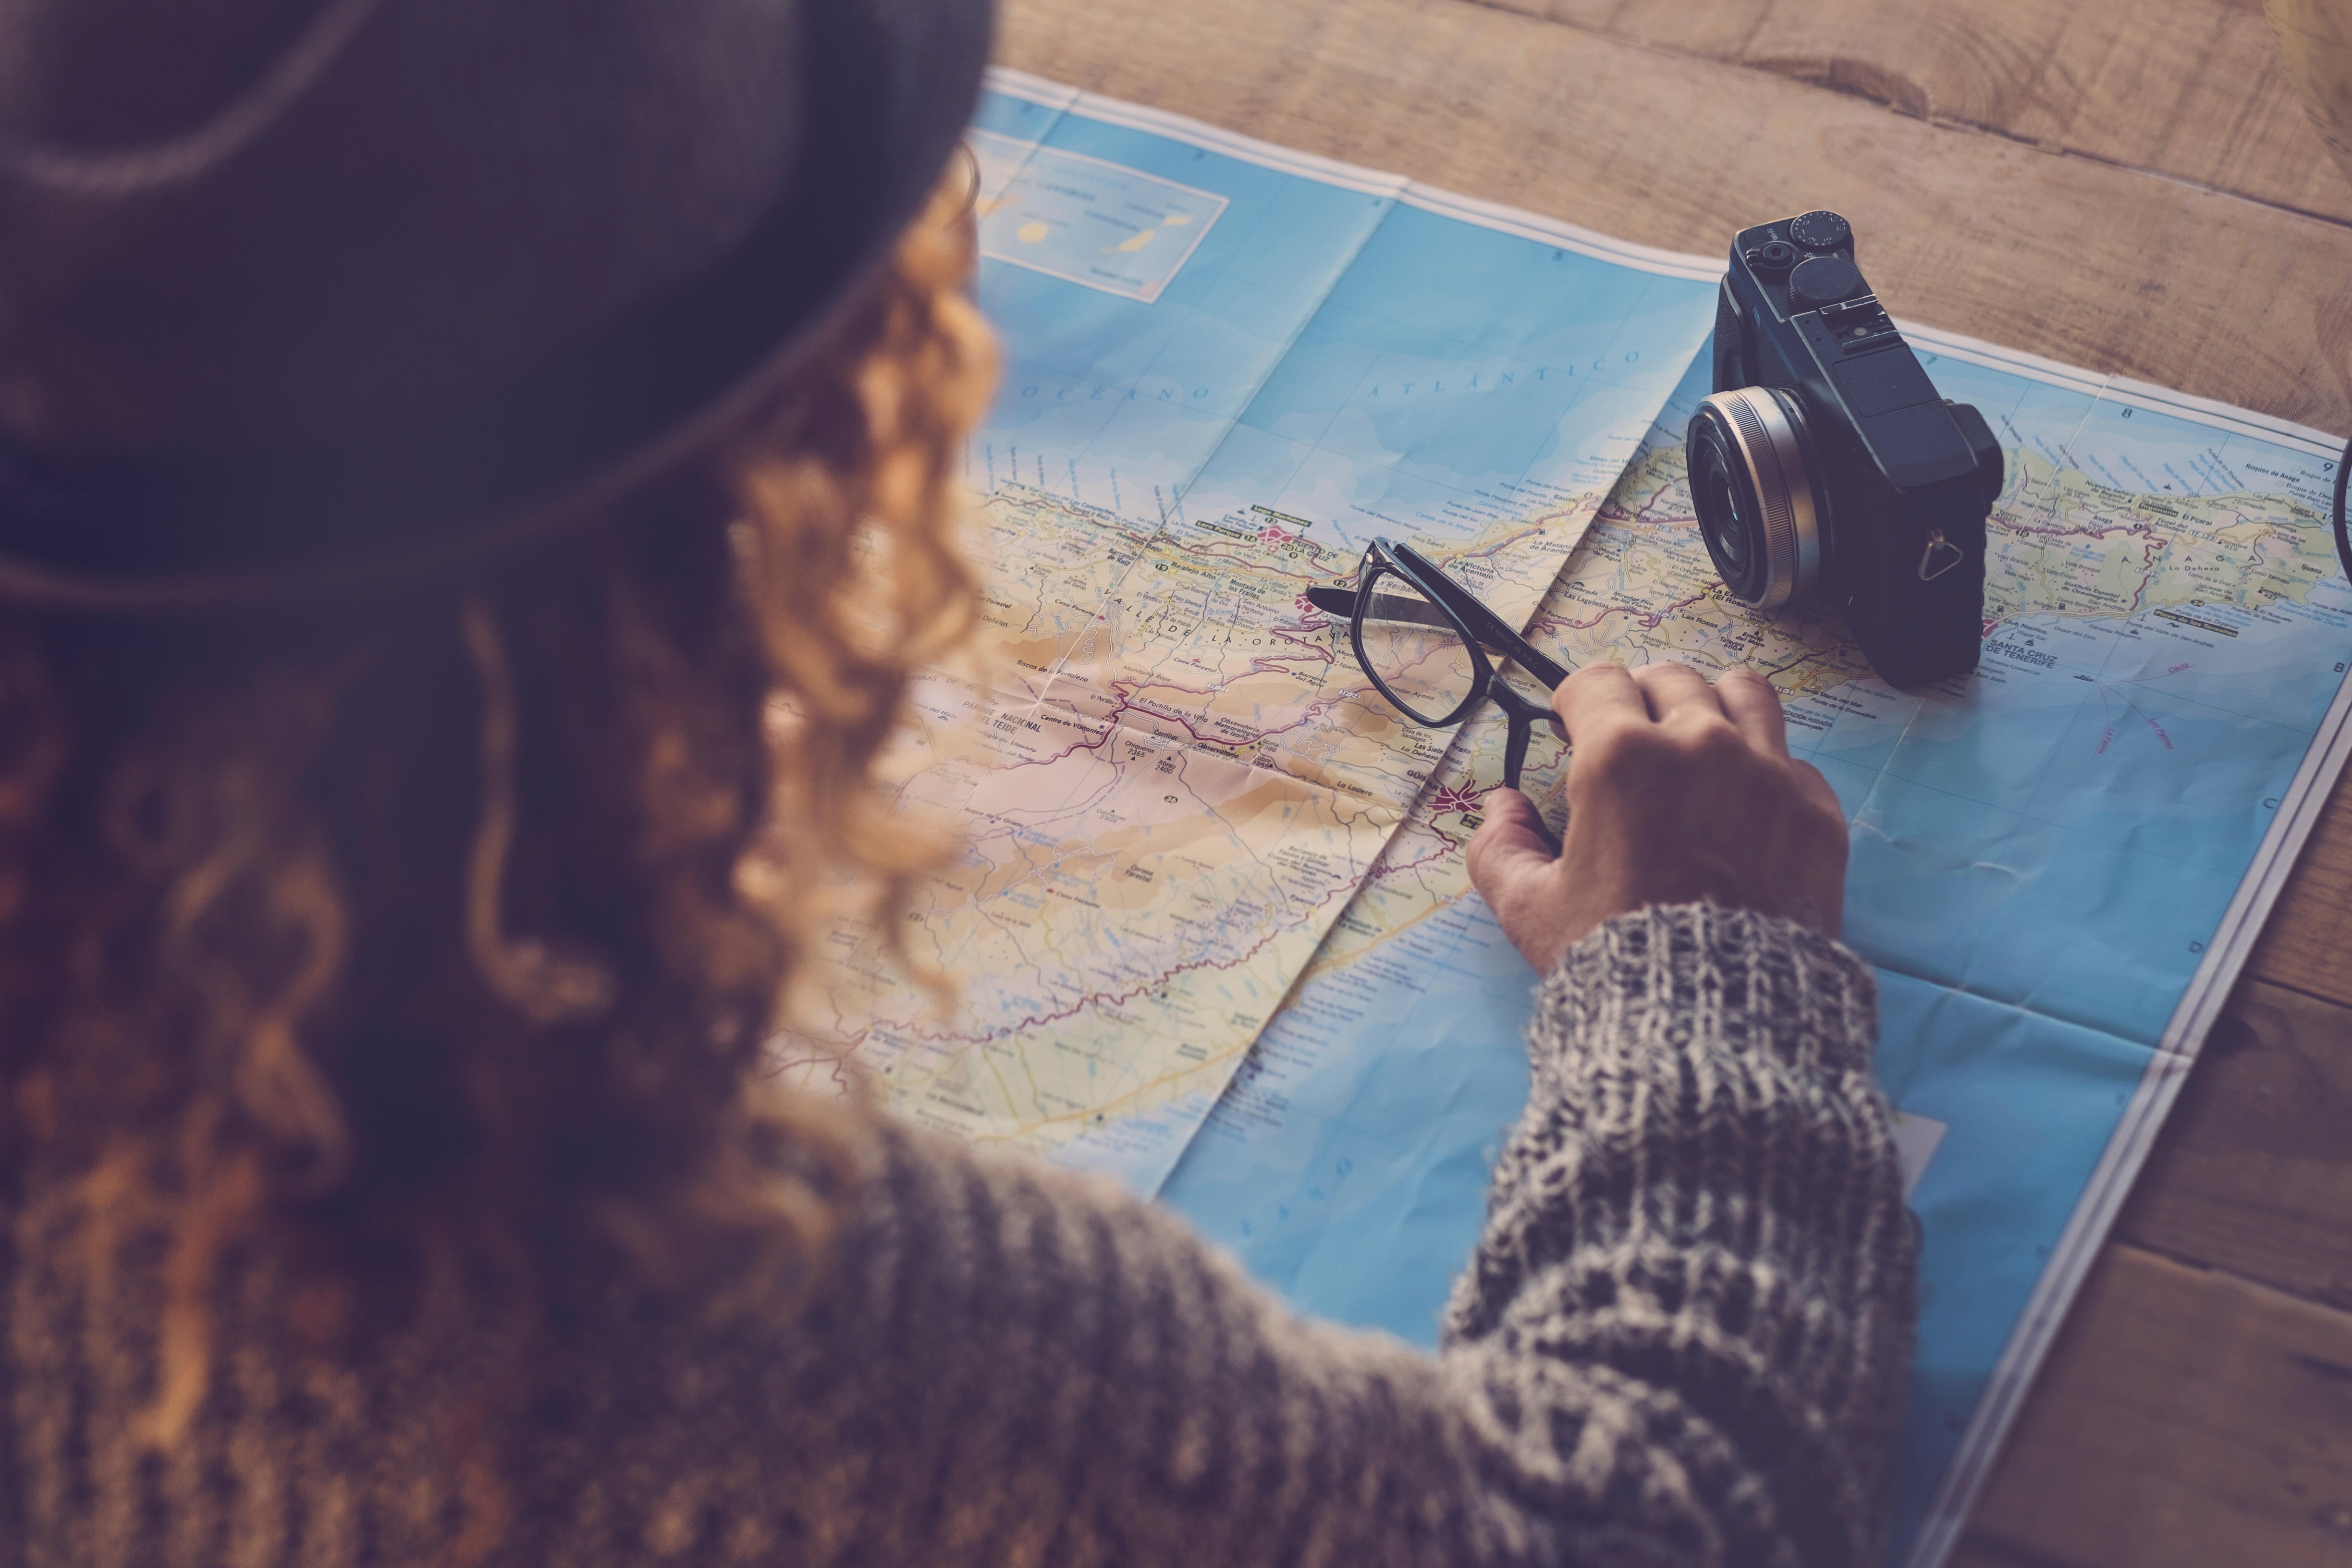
2190 89
2185 1419
2080 260
2307 941
2253 1173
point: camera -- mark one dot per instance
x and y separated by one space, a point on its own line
1826 464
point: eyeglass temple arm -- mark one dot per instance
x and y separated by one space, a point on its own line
1489 627
1515 749
1341 602
1523 715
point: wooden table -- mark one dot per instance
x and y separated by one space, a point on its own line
2131 188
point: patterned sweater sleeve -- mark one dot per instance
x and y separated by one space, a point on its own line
1697 1233
1682 1338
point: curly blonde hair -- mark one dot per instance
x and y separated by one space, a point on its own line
451 927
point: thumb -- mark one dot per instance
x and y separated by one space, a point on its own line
1509 847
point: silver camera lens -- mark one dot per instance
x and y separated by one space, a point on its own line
1754 481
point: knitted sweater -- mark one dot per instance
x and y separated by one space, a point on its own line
1681 1340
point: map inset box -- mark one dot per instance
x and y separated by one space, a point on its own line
1086 221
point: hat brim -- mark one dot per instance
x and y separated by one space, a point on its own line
561 441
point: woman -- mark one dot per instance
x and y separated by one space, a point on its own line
474 482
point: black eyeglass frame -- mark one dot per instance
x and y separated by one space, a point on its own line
1480 629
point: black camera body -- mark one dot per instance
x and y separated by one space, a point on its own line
1826 464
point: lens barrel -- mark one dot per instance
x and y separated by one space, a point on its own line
1755 483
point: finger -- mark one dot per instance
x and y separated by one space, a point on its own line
1514 871
1754 709
1510 844
1676 688
1597 696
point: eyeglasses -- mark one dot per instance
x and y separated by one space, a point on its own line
1424 640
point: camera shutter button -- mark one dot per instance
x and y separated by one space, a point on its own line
1819 230
1824 281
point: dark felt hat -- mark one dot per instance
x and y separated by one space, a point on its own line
300 293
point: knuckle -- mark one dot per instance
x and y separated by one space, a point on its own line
1710 740
1601 673
1580 681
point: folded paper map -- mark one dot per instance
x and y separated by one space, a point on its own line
1211 926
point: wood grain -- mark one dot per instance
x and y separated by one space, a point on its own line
2185 1420
2192 89
2307 941
2253 1173
2080 260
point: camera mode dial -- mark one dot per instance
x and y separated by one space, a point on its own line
1819 230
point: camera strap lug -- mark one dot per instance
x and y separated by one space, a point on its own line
1940 556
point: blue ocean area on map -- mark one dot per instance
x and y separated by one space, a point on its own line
2044 853
1347 1165
1349 360
1096 381
1401 400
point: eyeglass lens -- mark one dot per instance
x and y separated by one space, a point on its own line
1412 649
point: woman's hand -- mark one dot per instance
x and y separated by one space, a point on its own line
1678 791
